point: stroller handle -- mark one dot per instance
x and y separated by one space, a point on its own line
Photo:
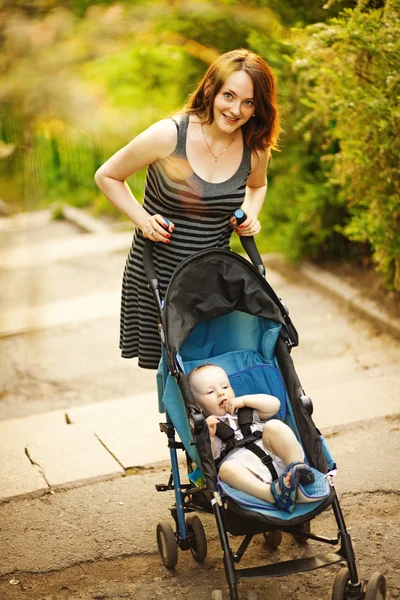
249 244
151 274
148 264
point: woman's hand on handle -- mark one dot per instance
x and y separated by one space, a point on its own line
158 229
251 226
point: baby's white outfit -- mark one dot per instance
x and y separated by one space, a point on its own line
246 456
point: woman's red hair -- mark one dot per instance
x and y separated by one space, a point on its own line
261 132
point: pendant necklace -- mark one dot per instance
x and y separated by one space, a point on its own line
223 151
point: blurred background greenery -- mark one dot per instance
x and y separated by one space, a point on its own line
79 79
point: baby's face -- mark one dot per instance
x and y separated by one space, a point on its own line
212 390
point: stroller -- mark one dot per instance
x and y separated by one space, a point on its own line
219 309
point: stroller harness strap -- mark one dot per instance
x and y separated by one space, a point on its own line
227 435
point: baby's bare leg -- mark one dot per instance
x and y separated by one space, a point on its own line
279 439
238 476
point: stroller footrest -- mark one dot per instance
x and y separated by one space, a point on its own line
160 487
289 567
176 445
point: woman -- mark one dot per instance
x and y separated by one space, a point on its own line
203 164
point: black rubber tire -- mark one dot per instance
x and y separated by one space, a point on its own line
376 587
340 583
217 595
306 527
273 539
167 545
197 536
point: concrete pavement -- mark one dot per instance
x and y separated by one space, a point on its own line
119 517
68 448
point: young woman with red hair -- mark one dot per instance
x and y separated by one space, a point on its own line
203 164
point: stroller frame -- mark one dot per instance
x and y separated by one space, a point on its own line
189 533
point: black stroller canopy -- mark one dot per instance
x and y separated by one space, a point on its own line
213 283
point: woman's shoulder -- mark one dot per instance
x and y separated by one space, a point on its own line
170 123
260 159
164 135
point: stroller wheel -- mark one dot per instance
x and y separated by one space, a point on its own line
376 587
217 595
304 528
197 538
273 539
340 584
167 544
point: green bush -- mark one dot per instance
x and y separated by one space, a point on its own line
349 79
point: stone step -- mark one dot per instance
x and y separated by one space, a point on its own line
63 449
44 253
57 314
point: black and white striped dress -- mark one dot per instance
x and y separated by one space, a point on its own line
201 212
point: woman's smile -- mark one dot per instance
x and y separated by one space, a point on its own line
230 120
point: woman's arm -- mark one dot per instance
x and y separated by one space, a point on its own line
256 190
267 406
158 141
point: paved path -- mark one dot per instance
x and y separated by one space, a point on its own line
118 517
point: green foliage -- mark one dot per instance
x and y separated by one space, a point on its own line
222 25
349 76
301 210
57 212
138 85
298 14
74 91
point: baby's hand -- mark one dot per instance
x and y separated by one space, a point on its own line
232 406
212 422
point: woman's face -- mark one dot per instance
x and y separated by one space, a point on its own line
234 103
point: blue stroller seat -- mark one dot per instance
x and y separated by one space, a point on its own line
251 370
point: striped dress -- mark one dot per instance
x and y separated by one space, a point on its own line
201 212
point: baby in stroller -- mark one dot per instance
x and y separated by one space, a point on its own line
270 468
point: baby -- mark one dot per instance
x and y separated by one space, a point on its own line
241 468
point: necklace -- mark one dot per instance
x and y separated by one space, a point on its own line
209 149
